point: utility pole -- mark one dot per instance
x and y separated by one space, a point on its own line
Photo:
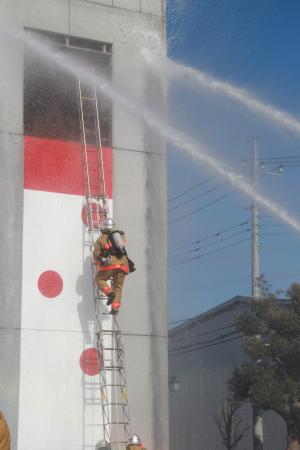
255 229
257 414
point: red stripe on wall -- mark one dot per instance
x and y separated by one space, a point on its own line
57 166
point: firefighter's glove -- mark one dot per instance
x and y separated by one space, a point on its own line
131 265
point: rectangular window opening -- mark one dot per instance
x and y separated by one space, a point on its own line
51 100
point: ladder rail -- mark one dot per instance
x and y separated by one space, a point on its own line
100 143
109 342
83 134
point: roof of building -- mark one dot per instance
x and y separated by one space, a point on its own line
237 302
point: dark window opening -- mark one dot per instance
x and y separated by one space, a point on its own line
51 100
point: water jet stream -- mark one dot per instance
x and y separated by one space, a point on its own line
183 73
199 153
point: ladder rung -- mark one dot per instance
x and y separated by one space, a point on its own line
117 423
90 114
116 385
113 367
111 348
117 404
88 131
87 98
110 332
94 197
93 425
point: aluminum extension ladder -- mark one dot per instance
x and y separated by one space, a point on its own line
112 386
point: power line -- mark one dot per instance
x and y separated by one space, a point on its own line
196 197
210 253
189 190
203 346
280 157
186 338
282 164
194 320
206 346
280 234
273 225
219 233
196 186
209 341
197 249
202 207
270 158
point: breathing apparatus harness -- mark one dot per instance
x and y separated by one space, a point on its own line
117 249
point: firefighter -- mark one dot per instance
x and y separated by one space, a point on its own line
4 434
135 443
112 263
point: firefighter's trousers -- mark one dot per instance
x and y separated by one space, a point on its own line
117 276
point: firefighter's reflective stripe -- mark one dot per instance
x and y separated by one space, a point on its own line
112 267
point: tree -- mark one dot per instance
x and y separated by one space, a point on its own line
270 379
229 425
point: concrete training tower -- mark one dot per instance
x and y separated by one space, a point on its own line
49 367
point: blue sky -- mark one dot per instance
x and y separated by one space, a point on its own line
253 44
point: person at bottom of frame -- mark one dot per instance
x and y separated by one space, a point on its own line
135 443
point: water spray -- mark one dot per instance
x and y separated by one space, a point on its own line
199 153
183 73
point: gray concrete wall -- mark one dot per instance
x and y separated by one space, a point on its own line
11 188
202 374
139 197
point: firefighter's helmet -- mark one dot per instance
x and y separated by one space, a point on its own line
102 445
108 223
134 440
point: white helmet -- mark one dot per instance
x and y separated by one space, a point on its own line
135 440
108 223
102 445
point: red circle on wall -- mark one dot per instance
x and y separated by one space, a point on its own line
97 215
89 362
50 284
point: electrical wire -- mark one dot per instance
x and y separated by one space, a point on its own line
206 344
202 207
273 225
279 234
271 158
186 338
219 233
207 180
196 197
197 249
190 189
210 253
209 341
